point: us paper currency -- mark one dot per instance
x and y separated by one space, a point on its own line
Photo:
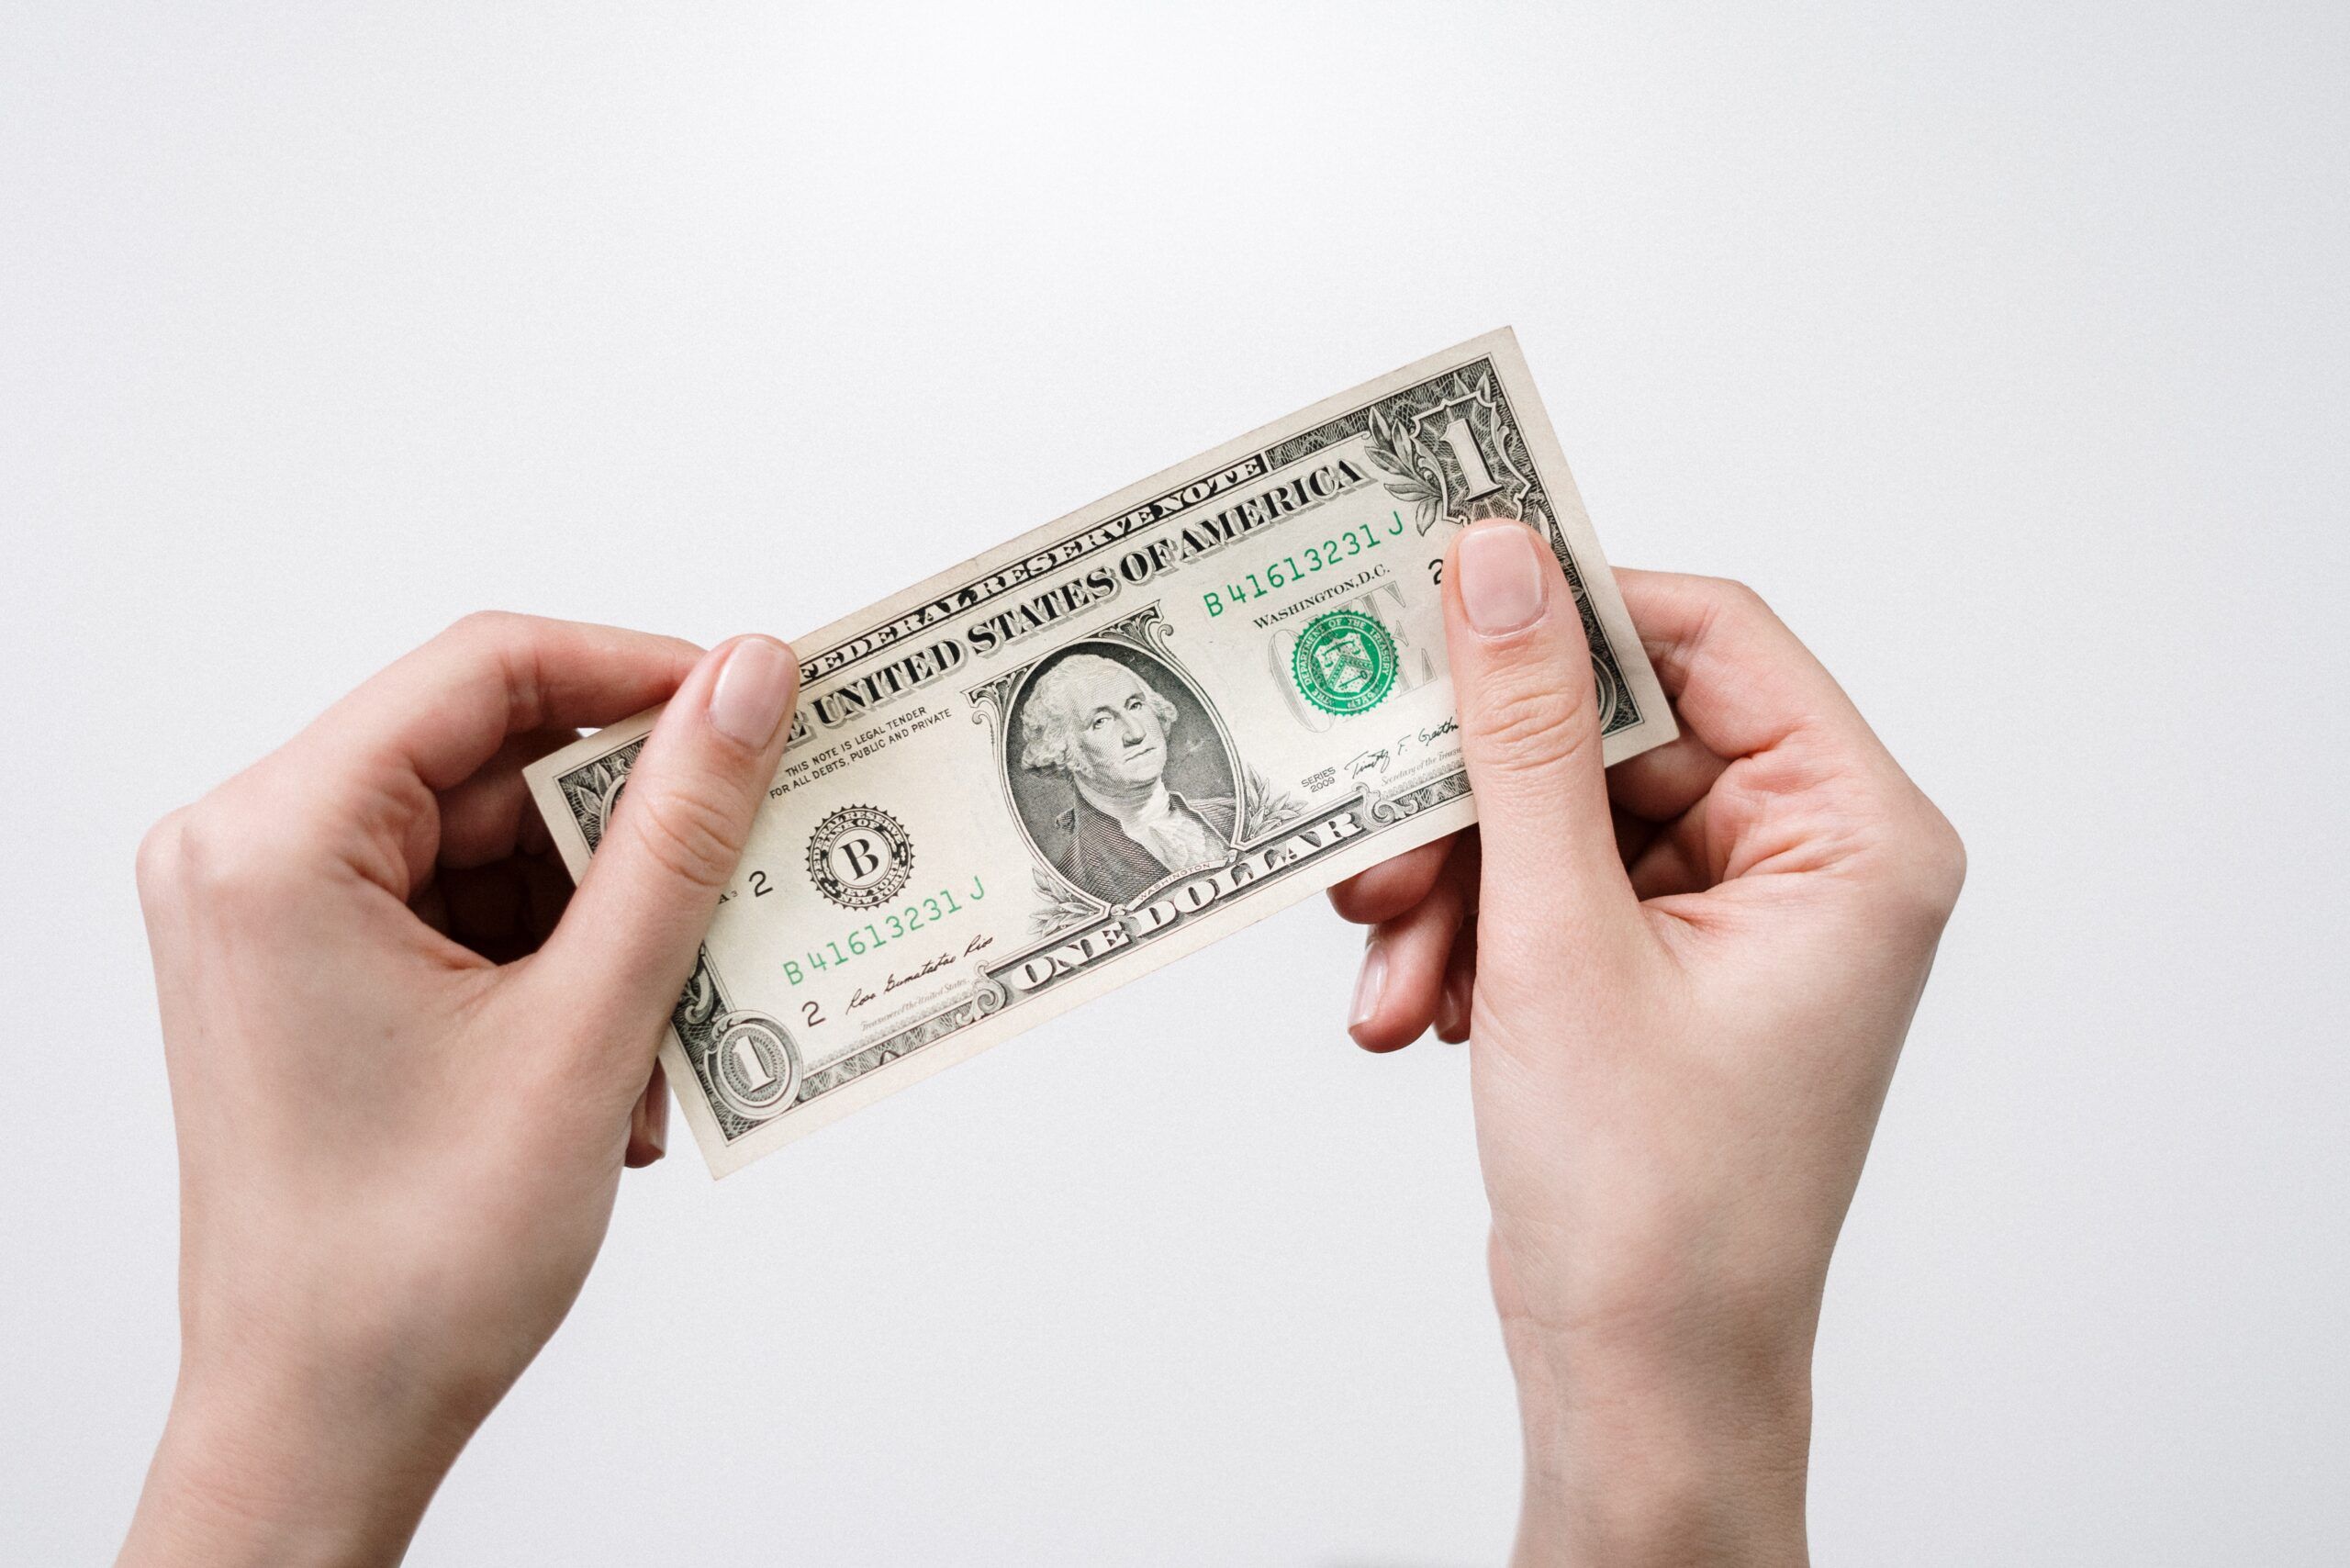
1104 744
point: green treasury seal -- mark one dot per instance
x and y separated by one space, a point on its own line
1345 662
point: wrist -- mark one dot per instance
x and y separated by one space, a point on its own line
243 1474
1641 1458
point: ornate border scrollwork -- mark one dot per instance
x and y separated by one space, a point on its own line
1385 810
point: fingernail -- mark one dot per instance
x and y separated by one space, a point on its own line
1369 988
753 687
656 1123
1450 1016
1501 578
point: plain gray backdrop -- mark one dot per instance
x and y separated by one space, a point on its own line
2002 346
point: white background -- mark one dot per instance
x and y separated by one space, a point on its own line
2002 346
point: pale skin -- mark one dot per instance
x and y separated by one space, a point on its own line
408 1072
1685 984
399 1154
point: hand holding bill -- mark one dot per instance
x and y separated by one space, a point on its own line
402 1118
1685 984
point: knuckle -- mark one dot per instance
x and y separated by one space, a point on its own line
223 865
1532 727
1738 597
1932 861
1942 856
486 626
159 863
247 848
688 834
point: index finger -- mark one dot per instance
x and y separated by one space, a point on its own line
440 712
1387 890
1739 680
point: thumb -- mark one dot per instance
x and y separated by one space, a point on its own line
1530 731
627 943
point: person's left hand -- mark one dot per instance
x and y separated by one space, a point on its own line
402 1119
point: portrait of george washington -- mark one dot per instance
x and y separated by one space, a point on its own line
1120 776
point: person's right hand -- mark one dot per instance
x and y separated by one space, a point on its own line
1685 985
408 1065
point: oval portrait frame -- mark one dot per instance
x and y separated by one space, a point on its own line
1114 643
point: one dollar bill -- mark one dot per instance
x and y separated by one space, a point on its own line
1108 742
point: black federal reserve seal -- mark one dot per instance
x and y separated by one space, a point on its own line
859 857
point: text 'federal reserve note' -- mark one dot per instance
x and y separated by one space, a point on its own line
1108 742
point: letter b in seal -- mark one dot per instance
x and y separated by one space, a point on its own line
859 857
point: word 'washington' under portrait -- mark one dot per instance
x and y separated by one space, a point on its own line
1120 776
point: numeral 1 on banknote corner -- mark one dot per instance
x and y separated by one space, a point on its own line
754 1067
1462 442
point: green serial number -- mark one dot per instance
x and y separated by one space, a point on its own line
1289 568
880 932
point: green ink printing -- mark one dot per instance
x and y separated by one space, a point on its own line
1344 662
